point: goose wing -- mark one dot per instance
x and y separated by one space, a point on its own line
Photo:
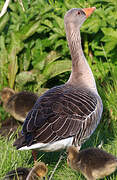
61 113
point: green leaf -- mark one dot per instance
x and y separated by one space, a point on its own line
91 25
12 70
3 62
109 32
15 47
52 56
3 21
48 23
56 68
29 29
24 77
59 43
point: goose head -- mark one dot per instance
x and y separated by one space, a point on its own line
77 16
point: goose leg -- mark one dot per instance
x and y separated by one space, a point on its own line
34 155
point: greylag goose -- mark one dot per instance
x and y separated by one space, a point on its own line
38 171
67 114
18 104
94 163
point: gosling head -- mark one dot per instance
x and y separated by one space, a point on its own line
72 152
41 169
5 94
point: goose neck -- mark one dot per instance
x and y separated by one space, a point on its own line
81 74
74 42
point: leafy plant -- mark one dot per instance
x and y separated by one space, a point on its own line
25 50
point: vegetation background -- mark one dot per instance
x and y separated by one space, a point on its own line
34 56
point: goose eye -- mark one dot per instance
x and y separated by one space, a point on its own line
79 13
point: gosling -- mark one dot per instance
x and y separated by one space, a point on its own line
93 163
39 171
18 104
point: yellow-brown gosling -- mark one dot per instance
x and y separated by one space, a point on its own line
93 163
38 171
18 104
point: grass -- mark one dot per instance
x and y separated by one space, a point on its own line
10 158
106 132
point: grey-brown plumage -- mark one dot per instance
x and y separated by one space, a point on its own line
66 114
18 104
93 163
18 174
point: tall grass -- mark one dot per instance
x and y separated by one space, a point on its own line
10 158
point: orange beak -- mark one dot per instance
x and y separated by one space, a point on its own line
89 11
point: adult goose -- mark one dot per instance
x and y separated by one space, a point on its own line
94 163
18 104
68 114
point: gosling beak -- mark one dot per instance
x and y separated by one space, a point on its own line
89 11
